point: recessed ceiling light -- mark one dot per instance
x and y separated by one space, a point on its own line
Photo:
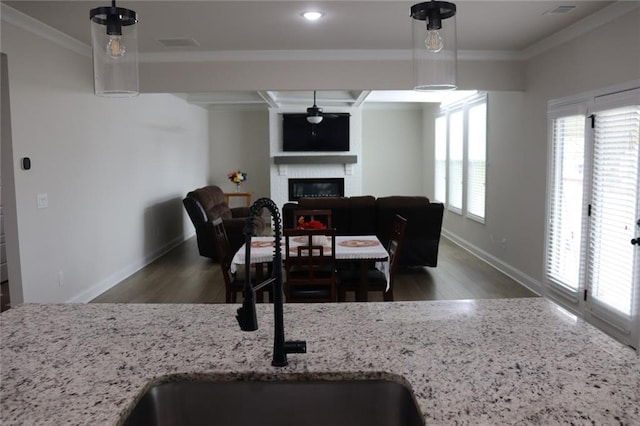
312 15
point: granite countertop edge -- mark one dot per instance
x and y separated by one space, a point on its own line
467 362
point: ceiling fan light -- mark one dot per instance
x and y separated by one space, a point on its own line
314 119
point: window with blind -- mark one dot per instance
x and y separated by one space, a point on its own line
566 214
476 159
614 199
460 156
456 165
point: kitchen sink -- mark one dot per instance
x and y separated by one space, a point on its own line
281 403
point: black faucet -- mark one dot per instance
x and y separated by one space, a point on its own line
247 312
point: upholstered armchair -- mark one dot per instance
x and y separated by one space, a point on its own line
206 204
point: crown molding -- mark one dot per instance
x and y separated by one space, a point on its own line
20 20
314 55
585 25
602 17
488 55
277 55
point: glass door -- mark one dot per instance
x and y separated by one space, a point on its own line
592 259
614 220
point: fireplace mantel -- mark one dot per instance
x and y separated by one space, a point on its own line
315 159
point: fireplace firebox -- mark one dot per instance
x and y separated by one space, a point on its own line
315 187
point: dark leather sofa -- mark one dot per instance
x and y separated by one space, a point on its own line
206 204
369 215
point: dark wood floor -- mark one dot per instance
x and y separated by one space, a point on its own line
183 276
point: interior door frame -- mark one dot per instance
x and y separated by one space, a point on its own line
9 208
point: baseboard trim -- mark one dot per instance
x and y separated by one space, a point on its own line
115 278
513 273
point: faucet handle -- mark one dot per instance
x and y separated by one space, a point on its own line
295 347
247 317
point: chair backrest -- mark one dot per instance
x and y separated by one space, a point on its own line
224 251
222 242
398 227
323 216
310 265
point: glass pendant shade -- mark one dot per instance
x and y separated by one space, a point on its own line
114 39
435 54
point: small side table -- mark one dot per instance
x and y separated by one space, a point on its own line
245 195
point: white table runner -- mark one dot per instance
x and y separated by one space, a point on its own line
357 247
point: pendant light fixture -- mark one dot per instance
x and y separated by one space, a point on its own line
114 40
435 54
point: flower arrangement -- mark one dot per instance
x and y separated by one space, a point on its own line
237 177
312 224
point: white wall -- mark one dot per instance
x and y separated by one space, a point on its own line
516 186
114 170
429 112
239 140
392 150
318 73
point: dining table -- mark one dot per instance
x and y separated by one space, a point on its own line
362 249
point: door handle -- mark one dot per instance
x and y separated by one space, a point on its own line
636 241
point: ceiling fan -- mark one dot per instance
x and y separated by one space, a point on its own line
314 113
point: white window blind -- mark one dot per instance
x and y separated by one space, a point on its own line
440 190
567 213
615 198
476 159
456 156
461 156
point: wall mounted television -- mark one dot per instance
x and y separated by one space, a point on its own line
332 134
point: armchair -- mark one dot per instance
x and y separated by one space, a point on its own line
206 204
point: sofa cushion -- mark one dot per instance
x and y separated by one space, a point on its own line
212 200
424 222
363 215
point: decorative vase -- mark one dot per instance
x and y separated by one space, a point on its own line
237 187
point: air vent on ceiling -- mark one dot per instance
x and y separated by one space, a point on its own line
559 10
178 42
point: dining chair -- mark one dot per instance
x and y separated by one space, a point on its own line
233 282
323 216
310 265
349 280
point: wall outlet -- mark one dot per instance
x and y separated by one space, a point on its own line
43 201
60 278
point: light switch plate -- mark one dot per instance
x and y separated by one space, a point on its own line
43 201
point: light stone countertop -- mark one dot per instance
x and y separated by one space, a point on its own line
508 361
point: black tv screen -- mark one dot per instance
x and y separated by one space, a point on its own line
332 134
